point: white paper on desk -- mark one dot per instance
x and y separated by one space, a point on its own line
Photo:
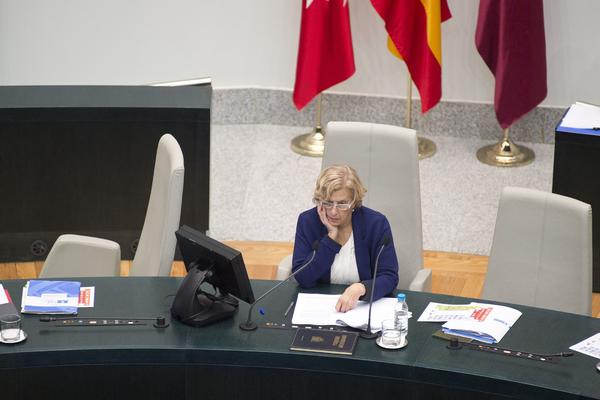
319 309
582 116
359 316
3 298
439 312
589 346
315 309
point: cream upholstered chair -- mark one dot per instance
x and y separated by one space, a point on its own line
541 253
155 251
386 159
76 255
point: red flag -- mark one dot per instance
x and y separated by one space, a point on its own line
510 38
414 26
325 55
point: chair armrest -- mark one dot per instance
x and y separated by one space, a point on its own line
422 281
284 269
77 255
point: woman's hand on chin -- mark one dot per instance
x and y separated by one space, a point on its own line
332 231
349 298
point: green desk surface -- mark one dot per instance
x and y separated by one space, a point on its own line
426 360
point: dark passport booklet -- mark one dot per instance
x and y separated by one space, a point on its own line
325 341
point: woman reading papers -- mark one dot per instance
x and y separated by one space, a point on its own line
350 236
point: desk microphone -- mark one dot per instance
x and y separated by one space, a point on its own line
369 333
250 325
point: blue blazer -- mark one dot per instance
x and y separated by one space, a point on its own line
369 228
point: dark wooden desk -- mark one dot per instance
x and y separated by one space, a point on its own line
575 174
223 362
80 159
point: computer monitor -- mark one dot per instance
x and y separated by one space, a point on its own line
208 260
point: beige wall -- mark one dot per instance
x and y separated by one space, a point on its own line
253 43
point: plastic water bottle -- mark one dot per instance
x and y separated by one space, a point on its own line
401 316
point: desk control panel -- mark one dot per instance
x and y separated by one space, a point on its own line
65 322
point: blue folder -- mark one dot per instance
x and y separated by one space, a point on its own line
63 293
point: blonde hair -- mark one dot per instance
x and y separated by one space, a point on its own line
337 177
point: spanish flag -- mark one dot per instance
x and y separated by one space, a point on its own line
415 30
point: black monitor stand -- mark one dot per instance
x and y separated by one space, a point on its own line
193 306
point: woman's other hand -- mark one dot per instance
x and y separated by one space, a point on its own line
349 298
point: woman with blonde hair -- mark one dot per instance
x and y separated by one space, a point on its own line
350 236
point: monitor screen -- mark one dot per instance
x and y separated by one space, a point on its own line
204 253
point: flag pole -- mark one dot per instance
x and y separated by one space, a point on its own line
313 143
505 153
427 147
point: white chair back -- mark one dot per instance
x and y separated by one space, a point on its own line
541 252
386 160
82 256
156 248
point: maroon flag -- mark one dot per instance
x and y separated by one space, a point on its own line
510 39
325 55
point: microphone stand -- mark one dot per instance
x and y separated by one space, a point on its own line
369 333
250 325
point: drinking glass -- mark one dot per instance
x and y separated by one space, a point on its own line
391 336
10 327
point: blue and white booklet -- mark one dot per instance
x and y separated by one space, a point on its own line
488 323
50 297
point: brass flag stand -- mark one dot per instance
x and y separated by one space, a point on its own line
427 147
313 143
505 153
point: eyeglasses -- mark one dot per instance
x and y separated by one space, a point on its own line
328 205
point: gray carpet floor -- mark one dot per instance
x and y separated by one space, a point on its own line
259 186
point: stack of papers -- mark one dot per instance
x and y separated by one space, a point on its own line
50 297
582 116
487 323
319 310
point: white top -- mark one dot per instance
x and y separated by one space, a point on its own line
344 269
